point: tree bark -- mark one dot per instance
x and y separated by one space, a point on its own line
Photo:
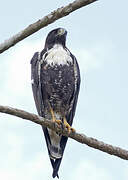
91 142
41 23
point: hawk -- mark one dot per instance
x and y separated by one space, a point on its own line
55 79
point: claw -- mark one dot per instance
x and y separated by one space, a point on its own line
73 130
69 128
57 121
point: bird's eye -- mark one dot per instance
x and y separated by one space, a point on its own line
61 31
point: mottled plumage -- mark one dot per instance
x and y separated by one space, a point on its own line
55 83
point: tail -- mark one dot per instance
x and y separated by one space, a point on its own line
56 163
55 153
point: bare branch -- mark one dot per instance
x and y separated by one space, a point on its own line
94 143
46 20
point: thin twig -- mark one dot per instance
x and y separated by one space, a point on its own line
46 20
94 143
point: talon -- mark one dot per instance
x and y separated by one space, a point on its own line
73 130
69 128
57 121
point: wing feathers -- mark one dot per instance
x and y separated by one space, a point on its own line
37 93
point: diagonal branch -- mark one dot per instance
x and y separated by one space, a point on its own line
94 143
46 20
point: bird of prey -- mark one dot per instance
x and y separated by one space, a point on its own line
55 79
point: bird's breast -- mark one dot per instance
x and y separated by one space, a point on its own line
57 56
58 84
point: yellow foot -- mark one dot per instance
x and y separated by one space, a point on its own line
54 119
57 121
69 128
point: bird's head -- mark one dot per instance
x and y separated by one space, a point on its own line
56 36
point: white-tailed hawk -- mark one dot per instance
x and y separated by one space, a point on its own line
55 83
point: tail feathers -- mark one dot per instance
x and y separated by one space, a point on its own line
55 152
55 158
56 165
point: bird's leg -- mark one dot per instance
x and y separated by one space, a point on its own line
53 117
69 128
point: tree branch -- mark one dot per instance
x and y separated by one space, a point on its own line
94 143
46 20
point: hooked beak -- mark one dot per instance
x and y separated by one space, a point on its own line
61 32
